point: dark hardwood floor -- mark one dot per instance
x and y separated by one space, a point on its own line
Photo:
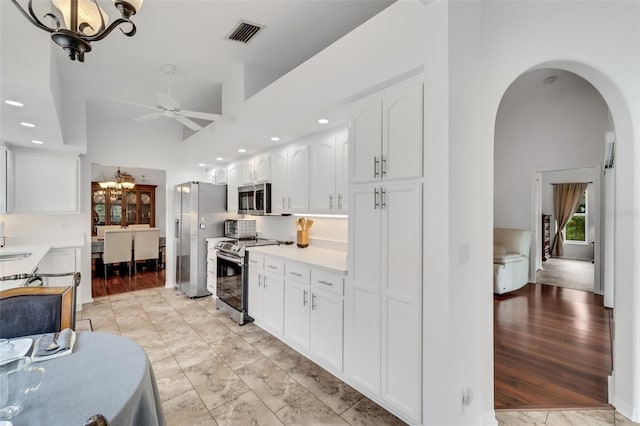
118 280
552 349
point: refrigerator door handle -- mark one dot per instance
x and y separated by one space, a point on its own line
177 230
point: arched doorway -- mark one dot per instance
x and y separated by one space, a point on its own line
618 117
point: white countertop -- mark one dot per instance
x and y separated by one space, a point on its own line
336 261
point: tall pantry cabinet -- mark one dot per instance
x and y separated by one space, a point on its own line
383 296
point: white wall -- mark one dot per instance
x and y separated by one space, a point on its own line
329 233
543 127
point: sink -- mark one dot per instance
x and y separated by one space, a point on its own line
13 256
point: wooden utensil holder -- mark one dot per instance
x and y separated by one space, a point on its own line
302 238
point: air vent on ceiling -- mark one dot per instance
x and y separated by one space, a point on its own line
244 32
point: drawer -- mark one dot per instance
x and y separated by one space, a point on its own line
328 281
298 272
256 260
212 257
273 265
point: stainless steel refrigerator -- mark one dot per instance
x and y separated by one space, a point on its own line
200 209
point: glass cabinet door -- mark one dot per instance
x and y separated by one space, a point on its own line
145 207
132 207
115 207
99 201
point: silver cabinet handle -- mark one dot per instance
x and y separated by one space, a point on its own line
330 201
339 201
375 198
289 202
283 204
313 301
384 166
304 297
264 282
272 267
296 274
375 167
383 195
325 283
259 280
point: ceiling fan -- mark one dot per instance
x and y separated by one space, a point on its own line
169 107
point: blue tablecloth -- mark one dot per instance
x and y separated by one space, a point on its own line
106 374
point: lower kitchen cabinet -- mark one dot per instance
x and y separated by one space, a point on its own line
266 295
212 268
314 314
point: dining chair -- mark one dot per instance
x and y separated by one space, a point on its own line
137 226
101 228
146 245
117 248
26 311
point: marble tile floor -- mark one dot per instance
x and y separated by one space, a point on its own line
210 371
568 273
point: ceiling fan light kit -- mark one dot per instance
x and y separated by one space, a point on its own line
85 22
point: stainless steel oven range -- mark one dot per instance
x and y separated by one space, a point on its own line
232 277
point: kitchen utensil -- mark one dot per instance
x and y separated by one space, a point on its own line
308 224
54 344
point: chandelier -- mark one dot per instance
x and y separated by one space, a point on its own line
121 181
85 22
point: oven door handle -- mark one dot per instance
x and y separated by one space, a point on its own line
237 260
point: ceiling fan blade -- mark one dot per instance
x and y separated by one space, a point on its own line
149 117
190 124
167 102
134 103
201 115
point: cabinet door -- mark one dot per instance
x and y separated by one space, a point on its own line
273 313
401 298
342 172
322 175
234 177
402 135
262 168
247 172
131 207
296 313
326 328
99 208
256 295
365 134
298 179
220 176
279 182
147 207
362 325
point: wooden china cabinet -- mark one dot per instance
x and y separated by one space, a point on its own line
139 206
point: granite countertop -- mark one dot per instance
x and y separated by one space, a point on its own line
334 261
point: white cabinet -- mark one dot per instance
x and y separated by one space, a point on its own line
257 169
290 180
383 294
58 261
266 293
4 153
386 135
234 179
218 176
327 174
42 182
314 314
212 268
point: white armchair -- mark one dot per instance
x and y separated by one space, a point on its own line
511 249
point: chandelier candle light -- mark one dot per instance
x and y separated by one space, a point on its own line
85 22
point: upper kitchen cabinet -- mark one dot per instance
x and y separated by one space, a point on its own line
257 169
42 182
3 178
386 135
328 174
290 180
234 180
218 176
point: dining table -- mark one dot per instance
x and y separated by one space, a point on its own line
105 374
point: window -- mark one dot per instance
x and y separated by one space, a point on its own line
576 230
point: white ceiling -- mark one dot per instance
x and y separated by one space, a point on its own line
189 34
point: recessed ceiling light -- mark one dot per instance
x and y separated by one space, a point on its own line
25 124
275 138
323 121
13 103
219 158
201 164
242 150
38 142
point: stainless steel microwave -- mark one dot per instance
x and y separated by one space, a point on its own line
255 199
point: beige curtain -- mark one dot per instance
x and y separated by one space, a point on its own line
566 197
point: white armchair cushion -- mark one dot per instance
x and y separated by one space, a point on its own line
508 258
